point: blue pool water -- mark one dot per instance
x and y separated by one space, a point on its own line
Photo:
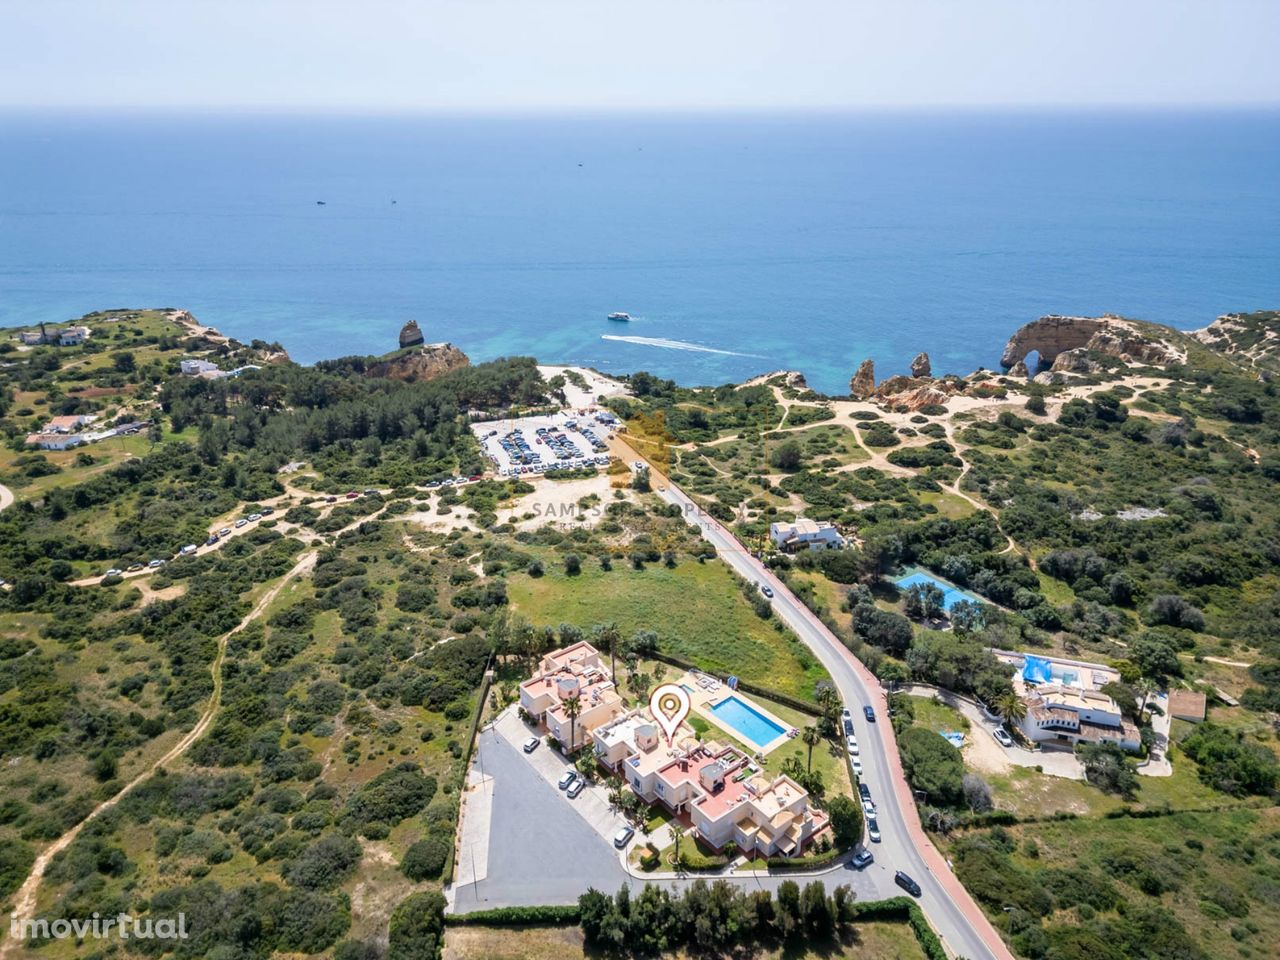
950 594
748 722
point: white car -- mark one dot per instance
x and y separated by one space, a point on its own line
869 807
531 745
851 744
1002 737
857 766
623 837
156 564
241 522
566 781
845 714
255 517
113 572
224 531
189 549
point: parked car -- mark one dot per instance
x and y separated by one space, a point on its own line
623 837
873 829
845 715
113 572
241 522
575 788
864 791
848 726
869 714
906 883
255 517
1002 737
352 495
851 744
332 499
213 538
134 566
267 511
224 531
857 766
156 564
862 859
531 744
566 781
189 549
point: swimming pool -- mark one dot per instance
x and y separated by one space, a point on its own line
950 594
747 722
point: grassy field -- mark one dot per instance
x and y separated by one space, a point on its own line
869 941
696 609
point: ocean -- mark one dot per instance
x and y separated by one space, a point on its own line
739 244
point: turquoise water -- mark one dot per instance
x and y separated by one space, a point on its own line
951 594
750 724
739 244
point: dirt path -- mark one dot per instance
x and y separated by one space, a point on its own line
25 899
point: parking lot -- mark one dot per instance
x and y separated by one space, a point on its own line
534 445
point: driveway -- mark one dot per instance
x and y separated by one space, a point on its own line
539 847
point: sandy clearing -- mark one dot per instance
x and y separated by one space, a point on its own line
598 385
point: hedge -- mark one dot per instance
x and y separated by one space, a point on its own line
516 916
804 863
697 860
901 908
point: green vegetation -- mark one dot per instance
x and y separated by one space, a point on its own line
1193 885
697 611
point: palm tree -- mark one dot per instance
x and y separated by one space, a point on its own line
811 738
1011 707
572 709
607 635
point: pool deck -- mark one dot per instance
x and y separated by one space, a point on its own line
704 696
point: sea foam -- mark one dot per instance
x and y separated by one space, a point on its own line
676 345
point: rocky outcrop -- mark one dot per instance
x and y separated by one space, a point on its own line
863 384
411 335
1052 336
916 392
427 363
1252 339
1020 371
920 366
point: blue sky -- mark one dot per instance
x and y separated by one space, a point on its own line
521 55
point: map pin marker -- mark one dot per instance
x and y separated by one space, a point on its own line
669 705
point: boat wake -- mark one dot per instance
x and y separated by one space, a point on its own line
676 345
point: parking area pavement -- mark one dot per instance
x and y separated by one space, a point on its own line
540 848
535 444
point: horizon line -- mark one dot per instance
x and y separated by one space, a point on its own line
534 111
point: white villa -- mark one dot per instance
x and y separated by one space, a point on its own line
574 671
1068 715
813 534
195 367
714 786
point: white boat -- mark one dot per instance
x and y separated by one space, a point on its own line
619 316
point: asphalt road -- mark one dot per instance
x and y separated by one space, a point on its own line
950 909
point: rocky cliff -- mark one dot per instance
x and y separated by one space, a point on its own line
1052 337
422 363
863 384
